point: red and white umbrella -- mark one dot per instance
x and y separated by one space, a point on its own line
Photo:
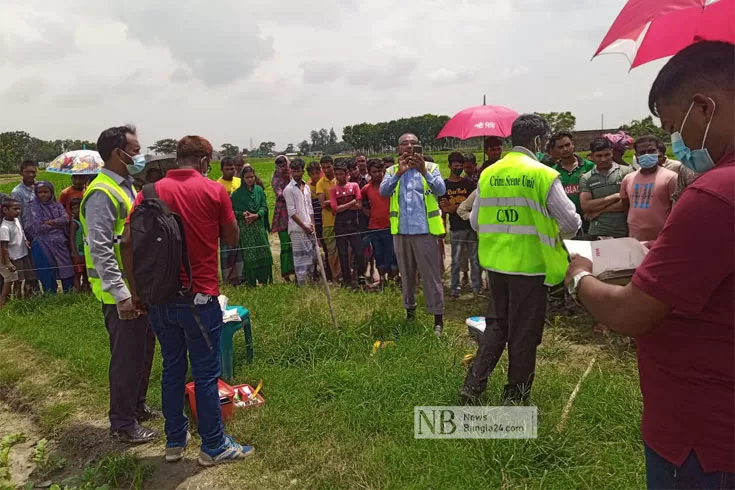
646 30
481 120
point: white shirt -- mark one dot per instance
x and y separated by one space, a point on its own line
560 207
298 203
12 232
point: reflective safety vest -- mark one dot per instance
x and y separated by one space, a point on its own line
517 236
433 213
123 204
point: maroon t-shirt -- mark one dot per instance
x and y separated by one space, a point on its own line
687 362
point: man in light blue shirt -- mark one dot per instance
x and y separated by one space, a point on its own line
417 250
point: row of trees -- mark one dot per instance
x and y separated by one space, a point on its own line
323 141
383 136
641 127
16 146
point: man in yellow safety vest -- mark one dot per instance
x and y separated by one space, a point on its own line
521 215
414 187
106 204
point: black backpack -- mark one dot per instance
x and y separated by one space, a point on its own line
159 250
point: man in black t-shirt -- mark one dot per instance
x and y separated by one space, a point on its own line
462 237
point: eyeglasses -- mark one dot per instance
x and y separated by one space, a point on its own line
651 151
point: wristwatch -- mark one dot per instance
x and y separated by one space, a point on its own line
573 286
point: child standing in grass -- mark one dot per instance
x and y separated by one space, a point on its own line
14 260
76 247
346 201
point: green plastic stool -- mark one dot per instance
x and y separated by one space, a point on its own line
228 332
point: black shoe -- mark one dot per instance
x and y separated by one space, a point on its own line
138 435
516 395
147 413
468 396
411 314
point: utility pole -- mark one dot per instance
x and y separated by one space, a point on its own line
602 121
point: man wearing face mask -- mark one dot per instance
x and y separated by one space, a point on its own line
647 193
685 176
521 215
679 305
107 203
190 334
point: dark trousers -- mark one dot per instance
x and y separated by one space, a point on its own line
348 237
515 316
664 475
132 345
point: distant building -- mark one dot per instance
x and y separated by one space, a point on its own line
582 139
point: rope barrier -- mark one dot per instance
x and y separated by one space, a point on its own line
260 246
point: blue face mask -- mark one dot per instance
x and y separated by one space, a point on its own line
648 160
138 164
697 160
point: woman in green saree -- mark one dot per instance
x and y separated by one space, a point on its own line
251 211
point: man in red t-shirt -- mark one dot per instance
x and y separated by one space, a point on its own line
206 212
377 209
680 306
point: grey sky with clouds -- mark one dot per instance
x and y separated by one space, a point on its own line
233 70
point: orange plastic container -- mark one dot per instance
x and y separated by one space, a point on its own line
226 399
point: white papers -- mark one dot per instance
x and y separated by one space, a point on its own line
223 302
231 316
228 315
612 258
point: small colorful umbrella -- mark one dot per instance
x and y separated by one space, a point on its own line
77 162
481 120
646 30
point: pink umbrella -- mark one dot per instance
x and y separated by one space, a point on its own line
481 120
646 30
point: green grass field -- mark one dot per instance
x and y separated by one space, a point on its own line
337 417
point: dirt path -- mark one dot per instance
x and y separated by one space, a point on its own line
80 432
20 459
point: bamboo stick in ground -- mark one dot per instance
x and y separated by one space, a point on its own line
568 406
324 279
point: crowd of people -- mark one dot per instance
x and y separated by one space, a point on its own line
506 221
344 210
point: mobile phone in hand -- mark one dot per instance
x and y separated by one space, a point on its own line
418 149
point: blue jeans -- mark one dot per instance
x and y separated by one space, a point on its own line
178 332
661 474
385 256
464 242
